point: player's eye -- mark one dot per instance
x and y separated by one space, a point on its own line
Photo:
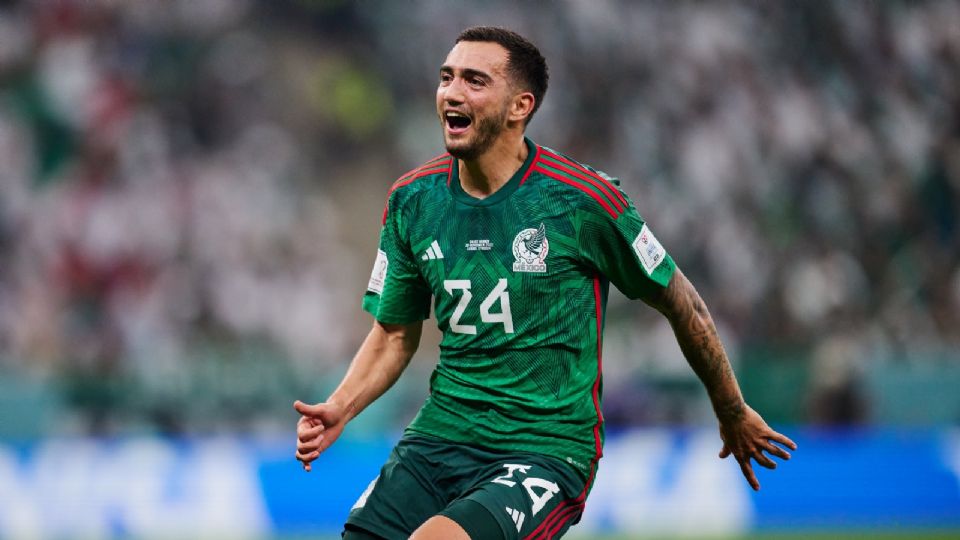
446 78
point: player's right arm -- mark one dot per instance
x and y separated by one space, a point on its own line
399 300
382 357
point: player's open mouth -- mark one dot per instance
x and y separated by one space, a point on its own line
456 122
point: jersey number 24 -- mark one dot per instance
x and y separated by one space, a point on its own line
499 292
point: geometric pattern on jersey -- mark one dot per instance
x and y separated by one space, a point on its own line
518 282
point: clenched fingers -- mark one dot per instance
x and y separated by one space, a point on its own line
307 433
307 422
306 458
310 445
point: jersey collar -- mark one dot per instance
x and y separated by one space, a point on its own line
518 177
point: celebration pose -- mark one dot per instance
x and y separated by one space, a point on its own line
516 244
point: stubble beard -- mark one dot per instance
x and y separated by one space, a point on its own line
487 129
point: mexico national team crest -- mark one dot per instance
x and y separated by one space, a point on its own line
530 249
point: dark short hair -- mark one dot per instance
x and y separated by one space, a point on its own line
525 64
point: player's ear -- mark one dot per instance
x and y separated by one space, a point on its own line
522 106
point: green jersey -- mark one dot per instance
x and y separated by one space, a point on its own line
519 282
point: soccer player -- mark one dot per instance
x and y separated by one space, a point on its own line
517 245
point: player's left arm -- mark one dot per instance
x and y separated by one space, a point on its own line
744 433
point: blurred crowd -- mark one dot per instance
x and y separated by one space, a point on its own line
185 182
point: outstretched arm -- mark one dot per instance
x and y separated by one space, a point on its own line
744 433
381 359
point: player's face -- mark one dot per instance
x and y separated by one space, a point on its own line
473 98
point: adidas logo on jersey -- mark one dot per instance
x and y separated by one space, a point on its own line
517 517
433 252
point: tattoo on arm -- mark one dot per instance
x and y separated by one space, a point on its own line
698 339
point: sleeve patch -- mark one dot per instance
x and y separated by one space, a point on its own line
379 274
649 250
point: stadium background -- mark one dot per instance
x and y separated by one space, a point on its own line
190 195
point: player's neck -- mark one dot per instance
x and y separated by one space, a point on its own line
483 176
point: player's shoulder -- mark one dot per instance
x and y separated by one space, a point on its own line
585 185
546 154
426 175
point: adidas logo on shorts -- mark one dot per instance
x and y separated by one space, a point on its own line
517 517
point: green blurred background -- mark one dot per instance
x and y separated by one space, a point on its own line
190 194
190 197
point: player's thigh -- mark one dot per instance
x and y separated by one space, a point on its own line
441 528
401 498
521 497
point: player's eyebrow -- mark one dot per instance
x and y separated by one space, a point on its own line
468 72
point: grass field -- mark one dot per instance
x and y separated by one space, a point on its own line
818 535
845 535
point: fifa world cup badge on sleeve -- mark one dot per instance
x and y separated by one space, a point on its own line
649 250
379 274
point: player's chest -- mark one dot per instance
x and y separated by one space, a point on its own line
529 246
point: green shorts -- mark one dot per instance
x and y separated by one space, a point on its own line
492 495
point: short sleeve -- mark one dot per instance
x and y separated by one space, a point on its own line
622 248
396 292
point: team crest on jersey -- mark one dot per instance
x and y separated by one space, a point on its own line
530 249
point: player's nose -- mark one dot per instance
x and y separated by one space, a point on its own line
453 92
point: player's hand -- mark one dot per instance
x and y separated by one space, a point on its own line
318 428
748 438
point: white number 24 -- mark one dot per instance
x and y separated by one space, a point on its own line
530 483
499 292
